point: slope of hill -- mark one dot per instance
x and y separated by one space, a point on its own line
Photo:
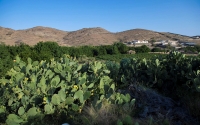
30 36
86 36
140 34
89 36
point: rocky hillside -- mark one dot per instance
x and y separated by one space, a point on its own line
85 36
30 36
89 36
140 34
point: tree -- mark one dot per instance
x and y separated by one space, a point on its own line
86 50
49 49
142 49
109 49
157 50
122 48
102 50
115 50
6 61
24 51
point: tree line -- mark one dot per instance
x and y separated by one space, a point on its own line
48 50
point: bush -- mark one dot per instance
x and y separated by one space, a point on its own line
35 90
157 50
142 49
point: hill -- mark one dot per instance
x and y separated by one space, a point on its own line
86 36
30 36
89 36
140 34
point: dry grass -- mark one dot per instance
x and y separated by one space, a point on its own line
110 114
106 115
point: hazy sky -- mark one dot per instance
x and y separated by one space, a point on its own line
176 16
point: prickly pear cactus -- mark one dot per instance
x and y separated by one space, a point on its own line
37 88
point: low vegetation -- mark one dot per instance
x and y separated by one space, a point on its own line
49 50
44 86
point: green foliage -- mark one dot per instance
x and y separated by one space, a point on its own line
47 50
114 69
24 51
91 51
121 47
119 57
158 71
115 50
102 50
156 49
6 61
194 49
35 89
87 50
142 49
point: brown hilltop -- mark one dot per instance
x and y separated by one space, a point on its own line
139 34
90 36
85 36
143 34
30 36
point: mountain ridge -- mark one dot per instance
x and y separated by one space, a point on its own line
94 36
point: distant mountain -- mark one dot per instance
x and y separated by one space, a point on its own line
89 36
30 36
86 36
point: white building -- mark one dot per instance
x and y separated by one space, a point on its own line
172 43
138 41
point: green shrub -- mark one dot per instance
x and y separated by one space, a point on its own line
35 90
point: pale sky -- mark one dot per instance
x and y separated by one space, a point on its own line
175 16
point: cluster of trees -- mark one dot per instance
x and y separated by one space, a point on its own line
5 60
192 49
156 49
48 50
